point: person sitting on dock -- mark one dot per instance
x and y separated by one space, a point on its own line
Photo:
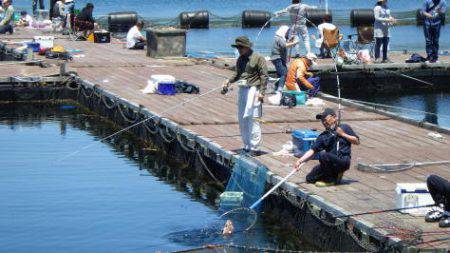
432 11
251 76
279 53
6 25
334 148
25 20
299 78
439 189
85 21
135 39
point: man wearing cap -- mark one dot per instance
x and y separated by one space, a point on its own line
334 148
251 76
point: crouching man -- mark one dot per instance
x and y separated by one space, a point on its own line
334 145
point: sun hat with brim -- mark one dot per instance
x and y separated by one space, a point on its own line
325 113
242 41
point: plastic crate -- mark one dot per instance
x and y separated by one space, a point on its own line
230 200
303 139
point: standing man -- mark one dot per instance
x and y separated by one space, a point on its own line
41 6
432 11
6 25
297 12
251 76
334 145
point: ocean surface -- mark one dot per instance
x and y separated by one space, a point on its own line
217 40
112 197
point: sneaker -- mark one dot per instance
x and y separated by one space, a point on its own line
434 215
254 153
324 184
445 222
377 61
387 61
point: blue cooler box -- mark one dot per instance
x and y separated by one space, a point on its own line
303 139
166 89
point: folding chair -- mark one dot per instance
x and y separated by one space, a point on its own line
365 40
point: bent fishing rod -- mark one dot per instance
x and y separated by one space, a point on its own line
383 211
187 101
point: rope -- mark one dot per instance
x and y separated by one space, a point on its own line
182 145
391 168
110 107
396 107
83 91
163 135
200 158
125 117
150 130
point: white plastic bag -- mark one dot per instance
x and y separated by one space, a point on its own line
275 99
151 87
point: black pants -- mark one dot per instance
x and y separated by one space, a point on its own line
439 189
139 46
378 42
6 28
35 6
328 169
432 33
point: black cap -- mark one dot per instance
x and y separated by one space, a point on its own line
325 113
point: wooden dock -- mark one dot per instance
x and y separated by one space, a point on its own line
384 138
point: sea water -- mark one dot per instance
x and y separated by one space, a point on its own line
111 197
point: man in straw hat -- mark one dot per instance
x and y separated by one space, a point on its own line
251 76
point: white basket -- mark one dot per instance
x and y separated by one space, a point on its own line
411 195
44 41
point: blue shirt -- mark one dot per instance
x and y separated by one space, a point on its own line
327 141
430 7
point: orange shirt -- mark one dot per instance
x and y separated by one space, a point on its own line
298 70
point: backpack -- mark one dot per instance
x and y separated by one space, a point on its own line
416 58
288 100
184 87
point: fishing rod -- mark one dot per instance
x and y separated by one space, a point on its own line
252 207
187 101
383 211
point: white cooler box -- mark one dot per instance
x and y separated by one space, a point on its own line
44 41
413 194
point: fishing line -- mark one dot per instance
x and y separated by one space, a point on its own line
140 122
383 211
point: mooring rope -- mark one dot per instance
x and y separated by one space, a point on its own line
125 117
200 158
163 135
182 145
109 107
154 132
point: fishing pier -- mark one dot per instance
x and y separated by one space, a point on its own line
108 79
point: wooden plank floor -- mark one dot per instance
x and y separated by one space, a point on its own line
383 140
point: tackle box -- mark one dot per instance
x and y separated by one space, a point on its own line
303 139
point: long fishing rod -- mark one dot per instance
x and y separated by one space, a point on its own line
252 207
141 122
383 211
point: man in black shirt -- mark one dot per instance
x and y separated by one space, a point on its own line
334 148
85 20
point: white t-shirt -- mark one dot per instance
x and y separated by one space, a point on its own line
27 19
320 28
133 37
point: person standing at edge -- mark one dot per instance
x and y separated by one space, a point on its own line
35 6
383 21
251 76
297 12
432 11
334 145
279 54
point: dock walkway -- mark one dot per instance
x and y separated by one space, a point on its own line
384 139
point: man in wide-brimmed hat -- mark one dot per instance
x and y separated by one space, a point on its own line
251 76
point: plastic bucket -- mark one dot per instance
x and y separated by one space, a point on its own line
300 96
